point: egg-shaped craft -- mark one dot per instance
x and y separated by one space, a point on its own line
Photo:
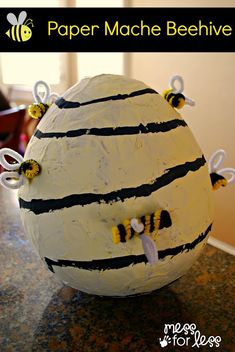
122 202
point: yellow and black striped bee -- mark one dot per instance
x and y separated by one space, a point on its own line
152 223
218 180
176 100
29 168
20 30
37 111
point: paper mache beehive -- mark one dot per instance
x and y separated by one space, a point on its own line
115 193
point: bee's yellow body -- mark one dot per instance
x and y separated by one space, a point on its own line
36 111
19 33
176 100
152 223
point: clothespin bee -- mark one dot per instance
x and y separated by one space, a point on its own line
38 109
216 174
14 177
174 96
146 228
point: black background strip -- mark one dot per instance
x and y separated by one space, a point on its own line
40 41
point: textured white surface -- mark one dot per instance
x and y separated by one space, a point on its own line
98 164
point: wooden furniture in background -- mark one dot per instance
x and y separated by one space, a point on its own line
28 128
11 123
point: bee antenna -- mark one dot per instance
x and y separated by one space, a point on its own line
29 22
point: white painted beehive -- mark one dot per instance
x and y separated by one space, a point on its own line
112 149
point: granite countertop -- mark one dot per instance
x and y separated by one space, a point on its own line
38 313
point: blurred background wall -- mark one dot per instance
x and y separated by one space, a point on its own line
209 79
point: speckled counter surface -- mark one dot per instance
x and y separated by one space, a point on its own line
38 313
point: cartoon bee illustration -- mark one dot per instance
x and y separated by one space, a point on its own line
20 30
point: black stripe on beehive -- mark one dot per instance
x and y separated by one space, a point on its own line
152 127
64 104
122 262
40 206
